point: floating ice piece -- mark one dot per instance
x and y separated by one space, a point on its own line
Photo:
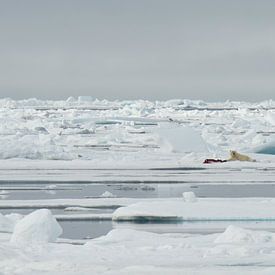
235 234
107 194
189 197
36 228
51 186
180 139
203 210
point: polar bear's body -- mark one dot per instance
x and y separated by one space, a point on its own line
234 155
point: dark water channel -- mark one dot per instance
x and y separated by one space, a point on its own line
80 191
83 229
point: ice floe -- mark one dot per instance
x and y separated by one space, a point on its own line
180 139
121 251
189 197
235 234
202 210
38 227
107 194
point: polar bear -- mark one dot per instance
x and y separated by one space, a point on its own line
234 155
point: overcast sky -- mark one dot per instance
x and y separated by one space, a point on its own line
153 49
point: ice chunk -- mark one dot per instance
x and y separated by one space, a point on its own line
189 196
235 234
107 194
203 210
181 139
51 186
38 227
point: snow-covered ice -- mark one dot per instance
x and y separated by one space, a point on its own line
38 227
91 129
208 209
8 222
234 234
90 141
107 194
121 251
189 196
176 138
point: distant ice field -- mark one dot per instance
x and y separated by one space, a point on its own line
133 131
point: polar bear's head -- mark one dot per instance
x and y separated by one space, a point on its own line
233 154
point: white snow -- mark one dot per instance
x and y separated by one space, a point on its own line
126 251
107 194
235 234
209 209
180 139
98 141
189 196
6 224
38 227
132 131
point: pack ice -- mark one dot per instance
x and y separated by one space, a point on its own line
92 129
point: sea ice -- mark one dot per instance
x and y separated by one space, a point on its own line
107 194
266 148
6 224
181 139
205 209
38 227
55 130
235 234
189 196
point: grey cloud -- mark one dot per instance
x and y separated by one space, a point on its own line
211 50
